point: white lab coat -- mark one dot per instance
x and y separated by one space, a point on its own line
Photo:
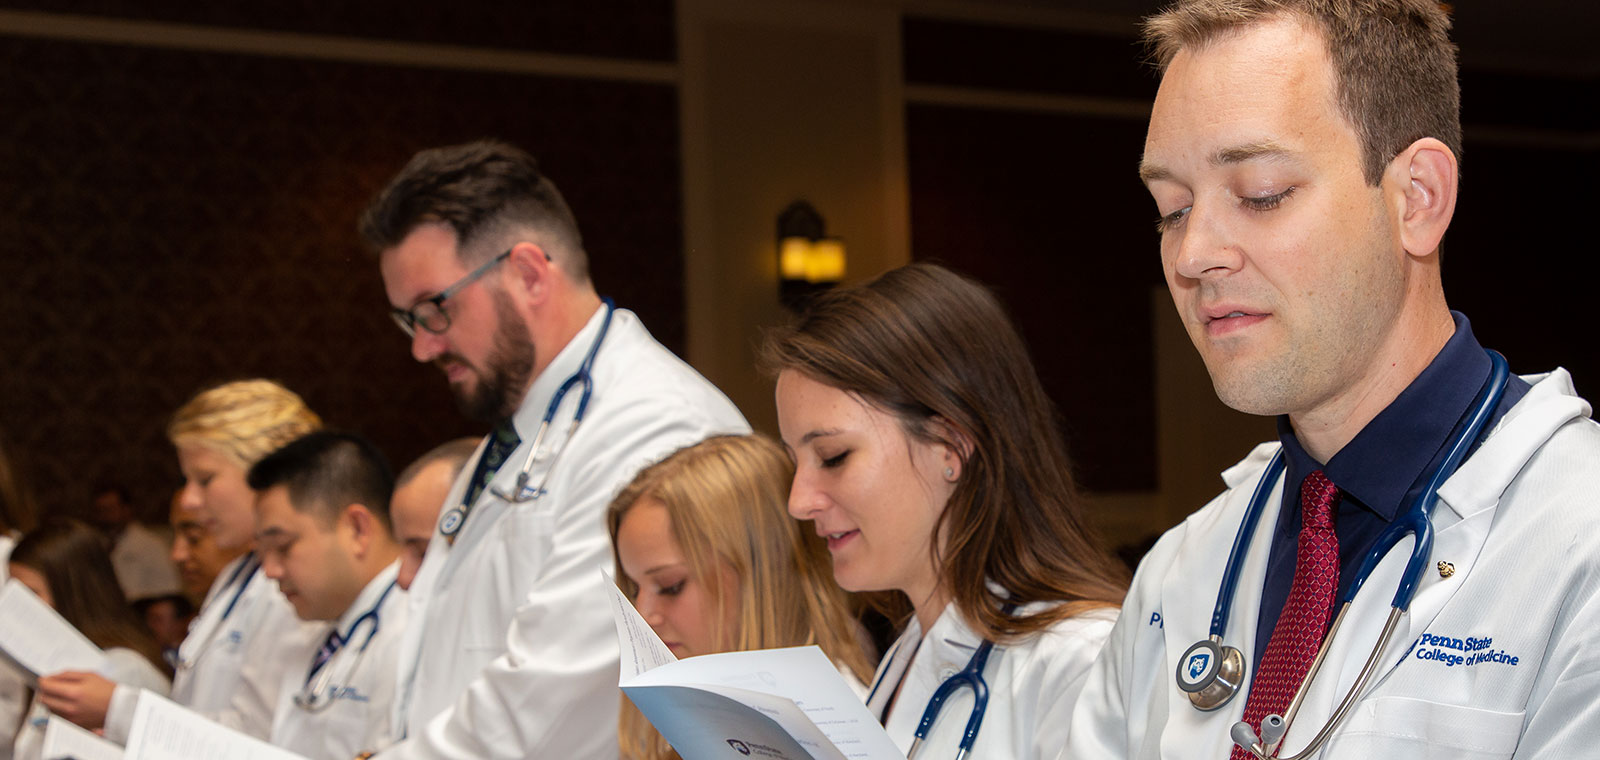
1033 685
13 684
1519 523
360 676
511 651
123 666
229 668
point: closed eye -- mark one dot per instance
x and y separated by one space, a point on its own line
1269 202
836 459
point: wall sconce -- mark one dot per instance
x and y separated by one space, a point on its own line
808 260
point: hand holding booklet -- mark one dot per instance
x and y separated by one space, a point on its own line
35 637
790 704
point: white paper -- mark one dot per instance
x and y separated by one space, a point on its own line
642 649
706 702
38 639
163 730
63 739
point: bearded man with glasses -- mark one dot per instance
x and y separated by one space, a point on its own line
511 650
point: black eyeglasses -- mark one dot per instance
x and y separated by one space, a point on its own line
429 314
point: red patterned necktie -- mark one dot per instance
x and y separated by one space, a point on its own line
1304 620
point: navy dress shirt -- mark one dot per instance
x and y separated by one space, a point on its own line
1383 469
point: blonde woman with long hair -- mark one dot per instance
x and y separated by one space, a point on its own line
231 663
706 551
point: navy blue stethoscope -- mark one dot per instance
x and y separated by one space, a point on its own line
971 677
319 694
238 581
523 493
1211 672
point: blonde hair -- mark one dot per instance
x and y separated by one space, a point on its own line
726 500
244 420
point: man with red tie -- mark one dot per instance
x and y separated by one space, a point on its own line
1303 155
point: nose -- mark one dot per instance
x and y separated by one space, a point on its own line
408 571
180 549
805 500
426 346
191 498
1204 248
270 566
648 609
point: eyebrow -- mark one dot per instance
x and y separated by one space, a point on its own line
1237 154
815 434
667 566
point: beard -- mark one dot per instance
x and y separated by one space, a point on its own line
509 368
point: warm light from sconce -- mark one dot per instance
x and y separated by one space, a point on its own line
825 262
814 261
792 254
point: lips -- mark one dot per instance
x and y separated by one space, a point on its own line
838 539
1226 318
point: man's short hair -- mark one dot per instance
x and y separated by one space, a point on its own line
327 471
489 192
455 452
1394 65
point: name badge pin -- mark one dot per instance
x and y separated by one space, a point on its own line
1446 569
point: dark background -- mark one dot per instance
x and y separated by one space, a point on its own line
174 219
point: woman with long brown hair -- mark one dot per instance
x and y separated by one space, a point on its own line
930 458
706 552
66 564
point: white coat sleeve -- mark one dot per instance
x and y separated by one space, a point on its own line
1053 682
554 692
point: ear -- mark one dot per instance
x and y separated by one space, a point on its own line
528 272
361 526
1425 177
957 451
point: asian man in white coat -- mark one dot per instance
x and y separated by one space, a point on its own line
1303 155
323 533
512 652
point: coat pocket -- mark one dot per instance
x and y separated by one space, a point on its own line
1416 728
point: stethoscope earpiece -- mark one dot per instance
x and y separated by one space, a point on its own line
1210 673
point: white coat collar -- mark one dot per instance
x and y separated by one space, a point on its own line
368 599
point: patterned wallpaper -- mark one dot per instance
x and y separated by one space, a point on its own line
174 219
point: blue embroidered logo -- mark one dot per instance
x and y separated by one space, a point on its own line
739 746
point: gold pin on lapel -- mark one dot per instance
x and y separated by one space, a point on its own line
1446 569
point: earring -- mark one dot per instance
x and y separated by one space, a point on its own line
950 473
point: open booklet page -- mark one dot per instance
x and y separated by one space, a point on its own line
63 739
38 639
164 730
779 703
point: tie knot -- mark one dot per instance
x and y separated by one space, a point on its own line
1318 494
506 433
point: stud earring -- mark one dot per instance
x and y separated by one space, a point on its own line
949 473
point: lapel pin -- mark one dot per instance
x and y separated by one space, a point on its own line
1446 569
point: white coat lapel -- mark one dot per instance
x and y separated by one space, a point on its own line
1187 614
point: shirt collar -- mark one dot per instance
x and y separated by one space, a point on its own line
369 596
1379 466
566 364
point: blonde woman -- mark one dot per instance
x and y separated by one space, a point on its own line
706 551
230 665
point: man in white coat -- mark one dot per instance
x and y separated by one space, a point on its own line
323 533
1303 157
511 651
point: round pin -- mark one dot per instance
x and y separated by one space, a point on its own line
452 521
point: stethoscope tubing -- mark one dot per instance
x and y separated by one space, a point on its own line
309 698
1417 521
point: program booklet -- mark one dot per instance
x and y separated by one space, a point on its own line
164 730
789 704
38 640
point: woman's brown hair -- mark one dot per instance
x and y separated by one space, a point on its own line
75 564
936 350
726 502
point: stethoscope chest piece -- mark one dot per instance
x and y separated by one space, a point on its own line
451 524
1210 673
